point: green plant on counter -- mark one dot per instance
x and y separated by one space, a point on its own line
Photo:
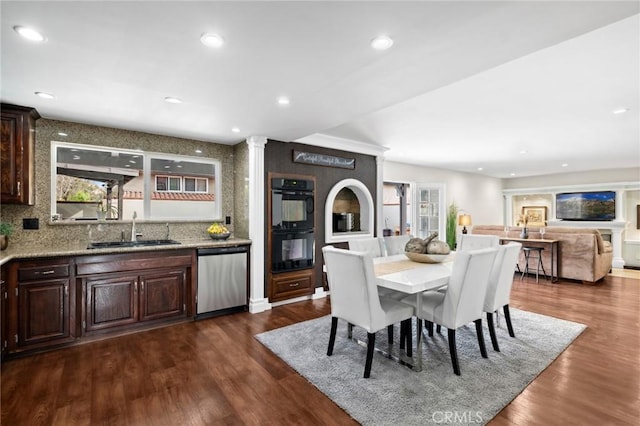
451 227
6 229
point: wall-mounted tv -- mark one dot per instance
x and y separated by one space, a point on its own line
599 205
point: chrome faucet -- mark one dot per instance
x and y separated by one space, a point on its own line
134 236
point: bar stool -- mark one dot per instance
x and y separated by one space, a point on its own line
527 255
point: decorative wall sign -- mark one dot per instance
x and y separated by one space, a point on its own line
536 215
323 160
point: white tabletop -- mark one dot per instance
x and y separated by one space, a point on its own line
425 276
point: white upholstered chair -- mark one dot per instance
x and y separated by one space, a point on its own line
354 298
499 289
371 246
475 242
463 301
395 244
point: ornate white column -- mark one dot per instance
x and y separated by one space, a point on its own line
257 301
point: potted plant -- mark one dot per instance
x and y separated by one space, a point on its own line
6 229
452 220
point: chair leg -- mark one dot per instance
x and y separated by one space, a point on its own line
332 335
453 351
403 333
483 349
507 319
438 328
429 326
350 331
408 336
492 332
371 343
390 333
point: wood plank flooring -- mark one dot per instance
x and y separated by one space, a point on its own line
214 371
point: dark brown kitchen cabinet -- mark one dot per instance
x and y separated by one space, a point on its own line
111 302
60 301
162 295
124 299
127 291
3 313
18 127
39 304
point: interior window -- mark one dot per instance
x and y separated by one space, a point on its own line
91 183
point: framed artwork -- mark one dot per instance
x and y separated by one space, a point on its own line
537 215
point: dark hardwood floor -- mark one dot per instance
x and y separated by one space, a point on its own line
214 371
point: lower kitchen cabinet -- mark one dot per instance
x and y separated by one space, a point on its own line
111 302
124 291
38 307
43 312
60 301
121 300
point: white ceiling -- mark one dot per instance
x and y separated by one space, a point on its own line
466 84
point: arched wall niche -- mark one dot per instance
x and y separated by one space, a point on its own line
349 196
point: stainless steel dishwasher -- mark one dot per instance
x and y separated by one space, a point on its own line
222 280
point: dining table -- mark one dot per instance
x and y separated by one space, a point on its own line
399 273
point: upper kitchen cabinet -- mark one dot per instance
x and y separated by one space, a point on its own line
17 159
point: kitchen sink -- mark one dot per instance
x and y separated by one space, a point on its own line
140 243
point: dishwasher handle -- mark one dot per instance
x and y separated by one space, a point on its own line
222 250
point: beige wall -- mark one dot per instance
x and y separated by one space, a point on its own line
480 196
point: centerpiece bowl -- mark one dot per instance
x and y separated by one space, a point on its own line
426 258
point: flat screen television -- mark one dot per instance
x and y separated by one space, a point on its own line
600 205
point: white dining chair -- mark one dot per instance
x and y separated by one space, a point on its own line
475 242
371 246
499 288
395 244
355 299
463 301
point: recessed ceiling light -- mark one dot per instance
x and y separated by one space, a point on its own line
283 100
62 134
523 151
382 42
173 100
212 40
235 130
132 161
564 164
44 95
198 151
512 174
620 111
480 169
29 33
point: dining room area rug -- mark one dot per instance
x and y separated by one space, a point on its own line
394 394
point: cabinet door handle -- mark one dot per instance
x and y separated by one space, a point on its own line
141 285
45 272
294 285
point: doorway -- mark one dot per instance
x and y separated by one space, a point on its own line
396 208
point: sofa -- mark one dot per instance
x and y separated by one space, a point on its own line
582 253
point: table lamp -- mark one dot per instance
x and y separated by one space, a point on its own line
464 220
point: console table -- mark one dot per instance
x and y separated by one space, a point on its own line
552 245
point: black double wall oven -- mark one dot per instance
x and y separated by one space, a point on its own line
292 224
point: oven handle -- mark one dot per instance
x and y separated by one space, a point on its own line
292 231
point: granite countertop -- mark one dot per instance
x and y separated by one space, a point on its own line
80 249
